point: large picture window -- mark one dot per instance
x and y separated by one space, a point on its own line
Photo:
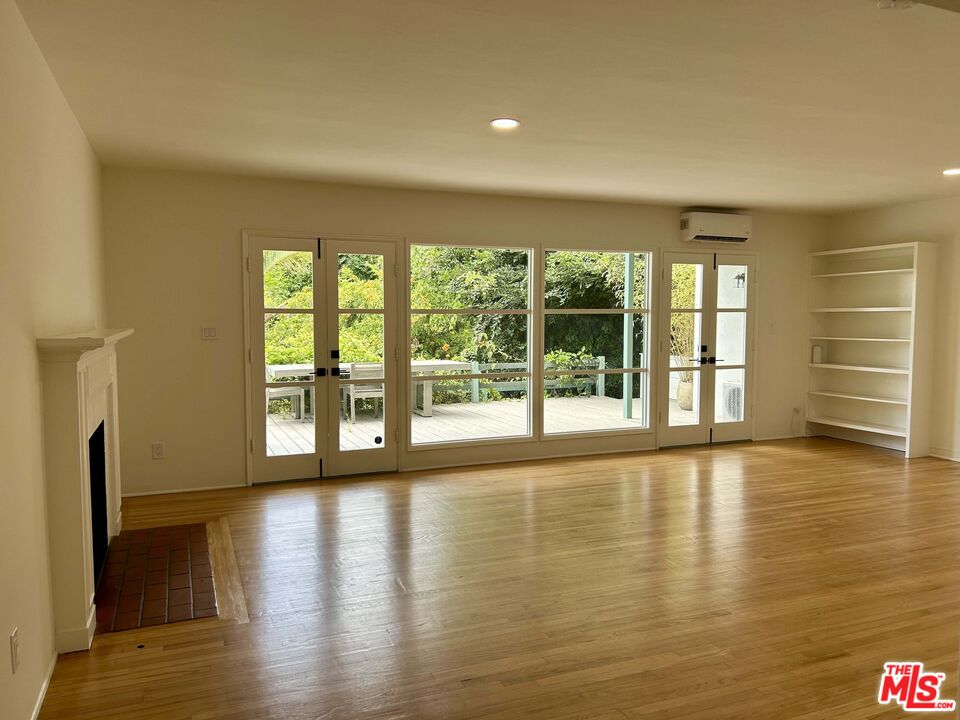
595 331
470 317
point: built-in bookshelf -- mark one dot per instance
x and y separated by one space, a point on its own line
871 345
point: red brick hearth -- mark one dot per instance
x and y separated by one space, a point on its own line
156 576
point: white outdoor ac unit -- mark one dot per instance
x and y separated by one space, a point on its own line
715 227
733 401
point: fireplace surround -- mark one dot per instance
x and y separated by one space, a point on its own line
79 375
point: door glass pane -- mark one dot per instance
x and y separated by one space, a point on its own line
581 280
591 342
288 344
686 285
290 421
362 411
684 396
685 339
460 410
360 338
732 286
591 402
360 281
287 279
731 338
728 403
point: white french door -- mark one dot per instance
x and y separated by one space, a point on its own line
706 348
362 356
322 370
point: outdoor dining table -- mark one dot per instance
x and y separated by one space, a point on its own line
422 369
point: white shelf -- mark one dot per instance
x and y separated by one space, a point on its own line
871 312
861 309
861 339
858 425
865 398
863 368
878 249
860 273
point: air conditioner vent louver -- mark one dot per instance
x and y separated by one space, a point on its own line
719 238
715 227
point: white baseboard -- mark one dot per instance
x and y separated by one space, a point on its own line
777 437
78 638
171 491
43 688
945 454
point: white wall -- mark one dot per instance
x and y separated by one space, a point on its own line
174 264
50 283
934 221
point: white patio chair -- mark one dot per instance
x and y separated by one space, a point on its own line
361 371
294 393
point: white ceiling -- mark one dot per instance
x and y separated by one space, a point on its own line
807 104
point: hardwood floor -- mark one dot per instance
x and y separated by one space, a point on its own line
770 580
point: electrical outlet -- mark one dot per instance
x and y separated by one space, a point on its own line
15 650
158 451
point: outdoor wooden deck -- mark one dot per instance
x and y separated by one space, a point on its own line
462 421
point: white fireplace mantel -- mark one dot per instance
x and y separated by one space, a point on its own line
79 375
76 344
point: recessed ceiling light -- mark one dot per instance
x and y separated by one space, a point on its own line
952 171
505 123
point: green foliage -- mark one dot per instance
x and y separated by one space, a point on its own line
360 285
287 279
563 360
288 339
288 283
576 279
457 278
445 277
683 292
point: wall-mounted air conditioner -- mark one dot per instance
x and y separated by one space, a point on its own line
715 227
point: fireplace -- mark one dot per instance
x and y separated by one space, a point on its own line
82 468
99 533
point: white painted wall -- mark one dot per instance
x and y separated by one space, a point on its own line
935 221
50 283
174 264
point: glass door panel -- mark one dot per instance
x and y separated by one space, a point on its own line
287 433
683 350
731 338
734 311
728 399
684 398
362 356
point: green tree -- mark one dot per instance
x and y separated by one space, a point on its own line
684 283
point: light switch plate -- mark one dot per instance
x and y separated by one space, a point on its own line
208 333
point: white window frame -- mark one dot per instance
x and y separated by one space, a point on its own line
410 377
643 311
